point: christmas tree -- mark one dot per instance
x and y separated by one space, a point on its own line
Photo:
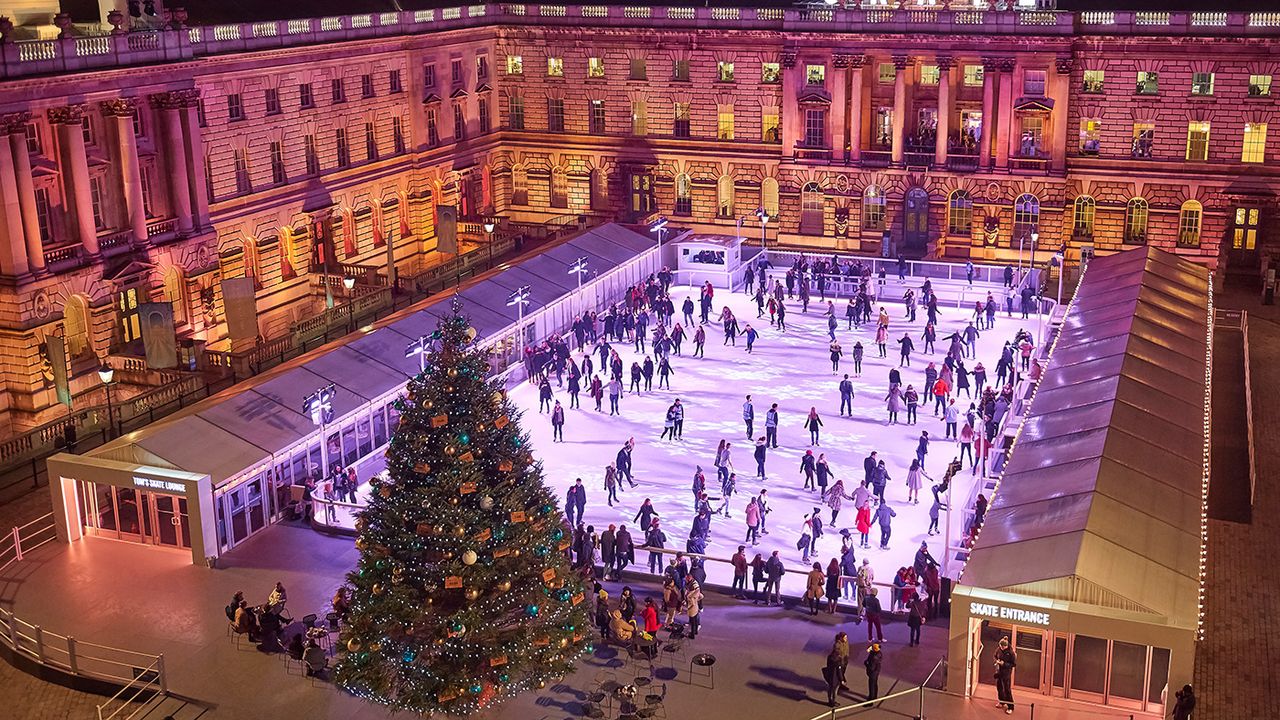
462 596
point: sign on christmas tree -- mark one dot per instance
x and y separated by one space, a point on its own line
461 598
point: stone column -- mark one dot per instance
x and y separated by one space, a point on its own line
119 114
74 164
838 118
1060 92
944 110
1004 127
13 249
900 65
792 122
989 69
857 72
169 106
195 156
14 125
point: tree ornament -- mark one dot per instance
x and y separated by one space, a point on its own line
486 503
469 557
472 594
503 585
375 646
531 610
353 645
459 531
377 589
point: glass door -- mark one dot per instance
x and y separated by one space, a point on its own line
1244 235
171 522
1029 645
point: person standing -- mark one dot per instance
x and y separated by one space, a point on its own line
836 352
916 612
907 347
750 334
773 570
808 468
914 479
656 540
871 613
611 483
873 663
831 674
580 499
951 416
814 425
846 396
1184 704
571 504
727 487
884 516
857 358
700 342
624 551
749 417
693 607
623 460
645 515
615 392
753 523
1006 661
814 586
557 423
771 426
739 561
664 372
760 452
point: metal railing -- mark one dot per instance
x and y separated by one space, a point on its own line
918 690
139 675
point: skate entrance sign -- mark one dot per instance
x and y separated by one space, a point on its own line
1012 614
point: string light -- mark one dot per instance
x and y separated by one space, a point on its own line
1205 470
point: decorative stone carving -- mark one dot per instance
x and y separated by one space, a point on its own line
176 99
902 62
944 63
1063 65
119 107
788 59
841 60
67 114
14 123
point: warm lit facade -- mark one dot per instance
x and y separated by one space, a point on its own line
149 166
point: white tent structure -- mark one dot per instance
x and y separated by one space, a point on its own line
1090 556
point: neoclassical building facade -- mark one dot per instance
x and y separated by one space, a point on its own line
149 166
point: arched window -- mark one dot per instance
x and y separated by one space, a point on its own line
390 224
811 209
1026 216
1189 224
769 196
289 244
724 197
684 195
559 188
959 213
1082 216
1135 222
175 293
75 326
873 208
519 186
599 189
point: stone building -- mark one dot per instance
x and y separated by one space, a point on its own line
150 165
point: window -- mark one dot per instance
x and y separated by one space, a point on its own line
769 196
1082 216
42 215
1259 85
515 65
429 77
882 130
1090 136
200 115
208 178
278 176
595 67
1135 221
1255 143
244 183
597 117
815 128
1030 143
459 123
273 101
684 195
235 107
873 208
312 155
724 123
930 75
1033 82
639 118
1026 216
433 128
1244 231
770 73
515 112
1093 82
555 67
337 91
1197 141
770 126
393 81
1148 83
812 205
366 86
482 68
455 71
1189 224
724 197
139 123
344 153
86 129
519 186
974 75
483 107
145 176
681 126
680 71
886 73
306 100
99 206
370 141
555 114
960 213
724 71
32 139
397 134
815 75
1202 83
639 69
1144 138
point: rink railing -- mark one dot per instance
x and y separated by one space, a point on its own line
917 690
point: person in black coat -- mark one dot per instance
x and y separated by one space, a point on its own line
873 663
1006 661
1186 702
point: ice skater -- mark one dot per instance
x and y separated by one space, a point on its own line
846 396
814 425
836 352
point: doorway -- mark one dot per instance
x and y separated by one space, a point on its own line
915 218
1244 236
642 193
125 513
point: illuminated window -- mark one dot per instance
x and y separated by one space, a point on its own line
1197 141
1255 143
1259 85
684 195
680 128
639 118
1082 216
974 75
886 72
1189 224
1090 136
770 73
595 67
959 213
1026 216
724 197
815 74
515 65
770 126
1136 214
769 196
724 123
724 71
1202 83
555 67
1093 82
873 208
1148 83
929 75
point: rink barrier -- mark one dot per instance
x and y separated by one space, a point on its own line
917 690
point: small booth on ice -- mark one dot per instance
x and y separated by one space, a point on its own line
1090 560
702 258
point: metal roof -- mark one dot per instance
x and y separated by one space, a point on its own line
1101 500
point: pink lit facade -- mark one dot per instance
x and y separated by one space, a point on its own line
149 166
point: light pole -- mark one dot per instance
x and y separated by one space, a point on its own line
419 347
579 268
519 298
349 283
490 224
106 374
319 407
659 226
764 220
1060 258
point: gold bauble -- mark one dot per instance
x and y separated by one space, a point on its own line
472 594
541 684
353 645
504 585
453 372
459 530
564 642
453 501
515 553
429 600
375 646
449 450
397 570
377 588
360 543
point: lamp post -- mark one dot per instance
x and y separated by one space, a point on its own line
490 224
349 283
764 220
419 347
319 407
106 374
659 226
519 298
1060 259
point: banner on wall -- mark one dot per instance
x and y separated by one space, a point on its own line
241 308
158 337
56 353
447 229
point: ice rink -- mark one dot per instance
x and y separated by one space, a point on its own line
792 369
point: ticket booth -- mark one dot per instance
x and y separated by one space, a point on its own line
708 258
